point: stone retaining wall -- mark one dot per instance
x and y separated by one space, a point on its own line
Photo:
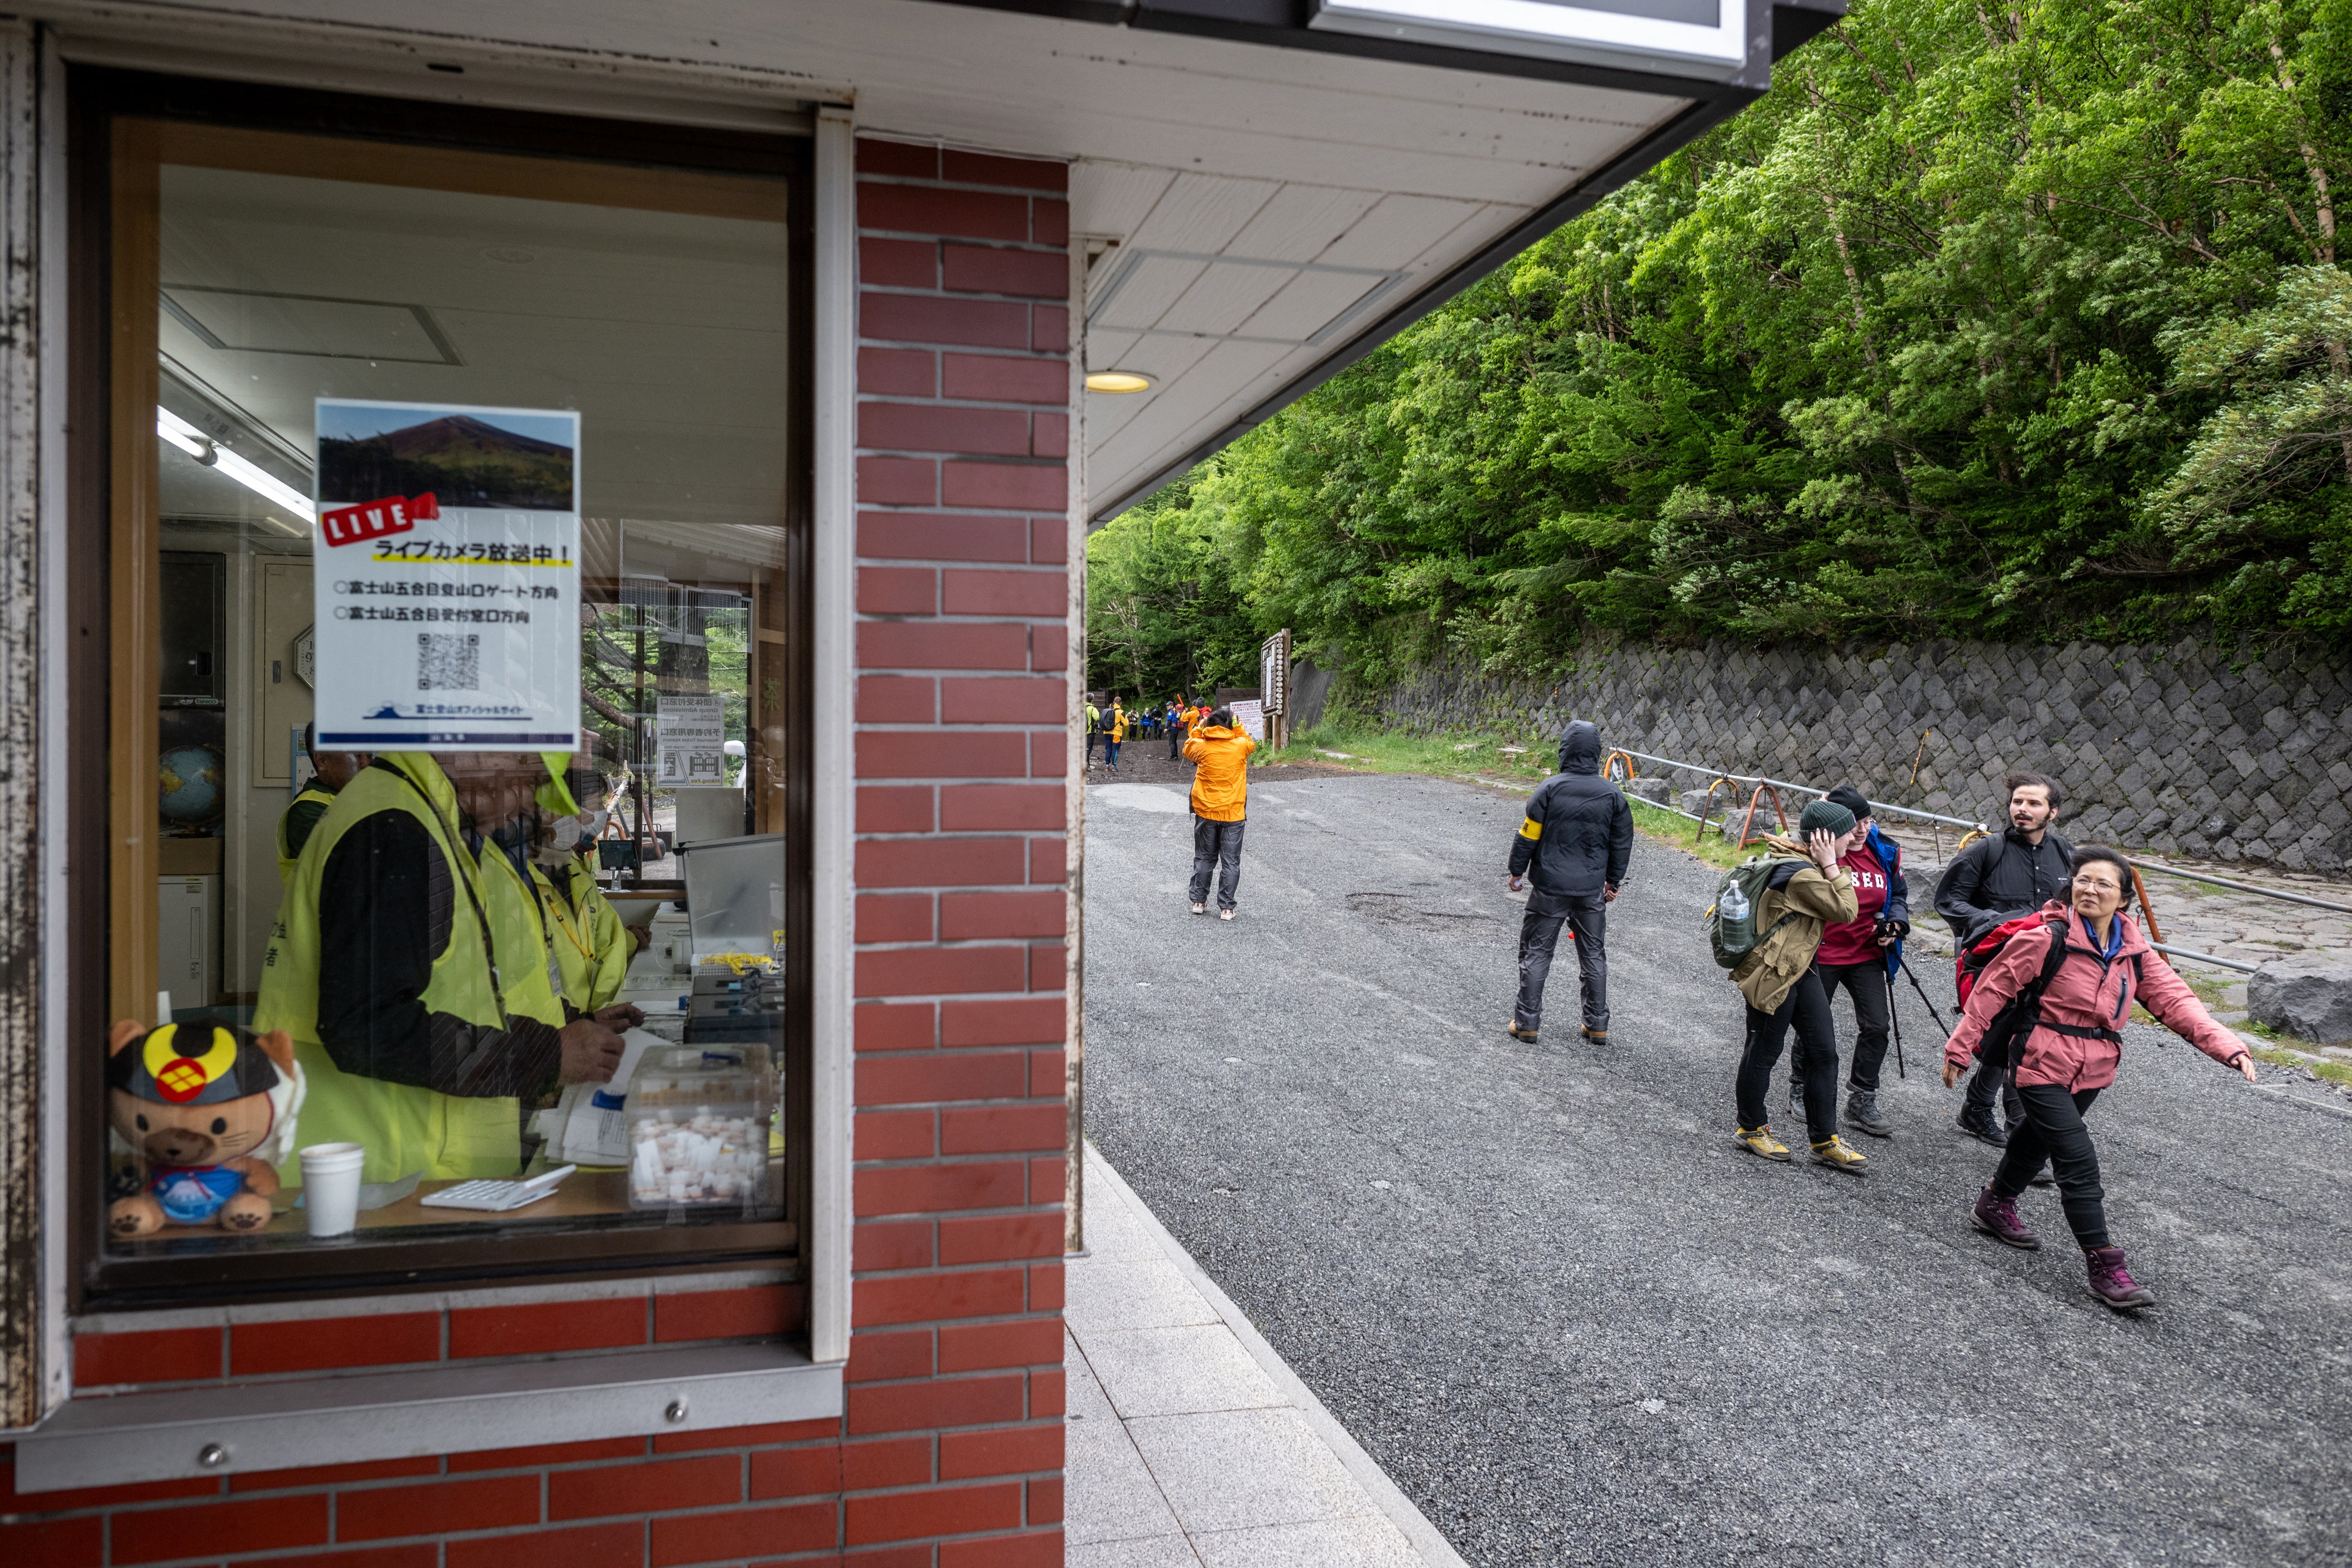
2182 750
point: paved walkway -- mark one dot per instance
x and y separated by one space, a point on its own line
1191 1444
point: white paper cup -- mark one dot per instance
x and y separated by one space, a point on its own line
330 1186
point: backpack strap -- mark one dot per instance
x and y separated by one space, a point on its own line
2029 1001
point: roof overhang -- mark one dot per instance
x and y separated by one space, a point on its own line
1267 189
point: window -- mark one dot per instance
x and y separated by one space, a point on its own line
442 481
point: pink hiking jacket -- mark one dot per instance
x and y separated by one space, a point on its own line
2084 995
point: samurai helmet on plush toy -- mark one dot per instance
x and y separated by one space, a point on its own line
209 1108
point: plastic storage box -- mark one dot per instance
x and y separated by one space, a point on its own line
697 1126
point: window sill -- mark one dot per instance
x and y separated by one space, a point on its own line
345 1419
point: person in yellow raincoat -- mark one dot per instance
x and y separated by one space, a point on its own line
592 947
334 770
411 966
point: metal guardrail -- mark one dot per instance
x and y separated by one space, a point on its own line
2243 886
1877 806
2170 952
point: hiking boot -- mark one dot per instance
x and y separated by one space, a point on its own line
2042 1177
1759 1141
1225 914
1525 1037
1200 909
2111 1282
1598 1037
1979 1121
1862 1112
1997 1217
1840 1155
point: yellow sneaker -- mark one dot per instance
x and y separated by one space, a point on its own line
1759 1141
1840 1155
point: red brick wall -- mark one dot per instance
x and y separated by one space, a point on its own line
950 1453
962 654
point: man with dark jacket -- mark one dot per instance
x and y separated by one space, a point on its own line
1997 878
1579 836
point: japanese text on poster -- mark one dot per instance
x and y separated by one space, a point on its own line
446 568
1251 717
690 739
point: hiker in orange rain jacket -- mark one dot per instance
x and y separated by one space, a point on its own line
1220 753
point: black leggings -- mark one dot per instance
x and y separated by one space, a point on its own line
2053 1130
1808 1006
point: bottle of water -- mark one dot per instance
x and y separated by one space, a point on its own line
1733 906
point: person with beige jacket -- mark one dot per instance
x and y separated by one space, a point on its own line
1805 893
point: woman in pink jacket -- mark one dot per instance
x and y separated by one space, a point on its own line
2071 1052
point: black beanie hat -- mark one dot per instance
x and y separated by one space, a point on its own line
1852 799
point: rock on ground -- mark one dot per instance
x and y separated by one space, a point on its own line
2308 995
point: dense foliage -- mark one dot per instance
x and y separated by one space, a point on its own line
2022 323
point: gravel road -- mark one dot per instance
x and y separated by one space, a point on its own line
1576 1325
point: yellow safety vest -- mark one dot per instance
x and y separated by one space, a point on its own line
287 854
592 948
405 1128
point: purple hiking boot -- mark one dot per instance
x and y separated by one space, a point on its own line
1997 1217
2111 1282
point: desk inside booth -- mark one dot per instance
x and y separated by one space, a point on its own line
583 1195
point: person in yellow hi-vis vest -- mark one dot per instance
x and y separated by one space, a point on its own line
592 948
410 966
295 824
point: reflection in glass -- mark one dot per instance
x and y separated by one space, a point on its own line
659 312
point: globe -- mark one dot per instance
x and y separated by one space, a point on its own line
190 781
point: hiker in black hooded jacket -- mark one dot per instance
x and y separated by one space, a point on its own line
1578 837
1999 877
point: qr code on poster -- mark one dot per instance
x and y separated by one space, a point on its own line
448 661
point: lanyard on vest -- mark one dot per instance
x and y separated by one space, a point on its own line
466 873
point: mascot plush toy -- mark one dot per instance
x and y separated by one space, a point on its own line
209 1108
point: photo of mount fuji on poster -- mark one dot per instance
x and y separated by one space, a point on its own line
509 462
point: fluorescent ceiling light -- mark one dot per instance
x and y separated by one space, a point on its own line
1118 381
201 446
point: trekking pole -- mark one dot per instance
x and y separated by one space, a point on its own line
1923 996
1894 1016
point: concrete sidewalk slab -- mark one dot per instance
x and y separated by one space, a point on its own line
1191 1444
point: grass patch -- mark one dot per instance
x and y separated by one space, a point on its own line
2333 1072
1481 757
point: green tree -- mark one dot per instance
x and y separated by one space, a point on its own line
2024 324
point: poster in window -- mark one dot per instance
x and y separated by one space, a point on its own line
691 739
446 565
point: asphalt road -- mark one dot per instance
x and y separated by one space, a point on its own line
1575 1324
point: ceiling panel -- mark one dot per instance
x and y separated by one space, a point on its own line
1107 349
1113 198
1397 230
1299 221
1200 214
1148 285
1200 396
1310 301
1226 294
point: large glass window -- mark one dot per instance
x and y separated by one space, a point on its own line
451 670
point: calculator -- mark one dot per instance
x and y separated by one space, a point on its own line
495 1197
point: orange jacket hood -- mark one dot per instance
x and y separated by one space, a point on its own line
1221 782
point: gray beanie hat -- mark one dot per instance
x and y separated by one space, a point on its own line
1823 816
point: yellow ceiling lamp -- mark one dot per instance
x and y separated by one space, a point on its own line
1118 381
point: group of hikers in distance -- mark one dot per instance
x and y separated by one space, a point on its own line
2049 965
1111 727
